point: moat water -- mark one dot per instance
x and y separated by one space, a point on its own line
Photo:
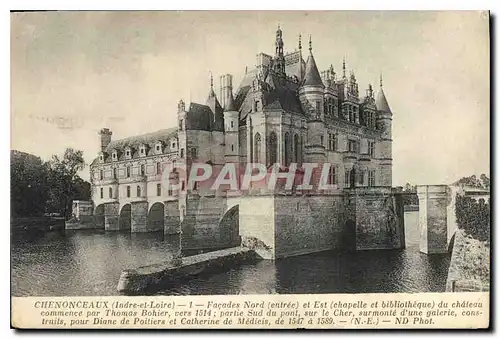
90 262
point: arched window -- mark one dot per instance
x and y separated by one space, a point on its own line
273 148
296 148
257 147
138 191
288 149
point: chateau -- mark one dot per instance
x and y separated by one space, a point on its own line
285 110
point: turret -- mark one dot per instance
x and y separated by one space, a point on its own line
105 138
311 96
384 123
231 128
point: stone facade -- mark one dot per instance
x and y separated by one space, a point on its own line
284 111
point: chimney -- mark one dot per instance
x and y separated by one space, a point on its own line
105 137
226 88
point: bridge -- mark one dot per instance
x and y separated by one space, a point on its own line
282 225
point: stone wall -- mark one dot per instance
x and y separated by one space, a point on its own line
469 266
379 218
200 224
307 224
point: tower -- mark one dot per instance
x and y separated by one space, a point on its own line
231 128
105 138
384 122
311 96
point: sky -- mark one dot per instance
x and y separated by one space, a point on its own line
73 73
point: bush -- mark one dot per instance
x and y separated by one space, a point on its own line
473 217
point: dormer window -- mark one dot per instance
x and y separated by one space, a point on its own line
159 147
143 150
101 157
128 153
114 156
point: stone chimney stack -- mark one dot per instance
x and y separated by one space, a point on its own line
226 88
105 137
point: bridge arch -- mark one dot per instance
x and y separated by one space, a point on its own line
125 219
229 224
99 216
156 216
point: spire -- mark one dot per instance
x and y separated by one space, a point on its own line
300 41
312 77
381 102
343 68
211 93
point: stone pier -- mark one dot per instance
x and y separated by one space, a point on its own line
139 217
111 216
435 209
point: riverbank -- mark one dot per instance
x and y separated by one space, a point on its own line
36 224
469 266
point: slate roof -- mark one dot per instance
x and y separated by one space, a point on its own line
311 76
149 139
381 102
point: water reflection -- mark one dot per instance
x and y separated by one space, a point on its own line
90 263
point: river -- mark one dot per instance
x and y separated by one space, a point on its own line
89 262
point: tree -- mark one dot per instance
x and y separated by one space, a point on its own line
29 184
63 179
485 181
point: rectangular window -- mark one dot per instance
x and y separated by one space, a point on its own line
332 142
333 175
110 191
194 153
182 153
346 179
371 148
353 146
128 191
138 191
114 173
321 140
181 122
158 168
101 174
143 170
232 124
128 171
371 178
232 148
142 150
158 189
102 193
170 193
361 178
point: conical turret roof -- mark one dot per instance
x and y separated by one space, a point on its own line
311 74
230 106
381 102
